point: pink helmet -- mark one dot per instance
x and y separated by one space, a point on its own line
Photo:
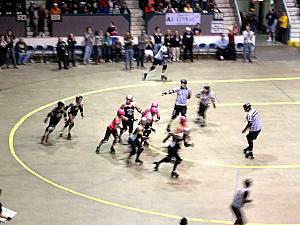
183 119
154 104
154 110
120 112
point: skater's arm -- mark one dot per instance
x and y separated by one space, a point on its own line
139 109
245 200
171 91
81 110
166 138
248 125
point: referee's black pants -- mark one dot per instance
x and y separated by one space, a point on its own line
239 217
251 136
190 49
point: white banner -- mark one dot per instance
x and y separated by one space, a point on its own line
185 19
217 27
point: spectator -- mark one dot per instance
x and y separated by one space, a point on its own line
197 30
112 29
107 42
244 19
71 49
167 38
175 46
114 9
98 45
204 6
157 39
188 8
21 50
1 215
252 20
3 48
128 45
32 12
231 44
149 50
41 21
149 8
283 25
64 8
160 8
95 7
197 8
222 44
272 20
62 54
188 43
248 43
118 50
53 11
141 49
10 52
124 9
169 9
89 39
183 221
104 6
75 9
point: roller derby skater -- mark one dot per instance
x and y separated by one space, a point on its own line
183 94
159 60
72 110
151 115
55 116
206 96
129 106
112 129
254 126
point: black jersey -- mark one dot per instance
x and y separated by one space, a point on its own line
57 113
73 108
129 111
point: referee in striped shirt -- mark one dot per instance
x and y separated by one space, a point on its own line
183 94
254 126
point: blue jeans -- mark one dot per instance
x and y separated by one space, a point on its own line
11 54
128 59
23 57
247 51
87 54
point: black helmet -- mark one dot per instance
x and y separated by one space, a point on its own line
247 105
183 81
207 87
78 97
60 104
248 182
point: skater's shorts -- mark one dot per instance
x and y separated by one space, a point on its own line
54 121
253 135
179 109
128 124
158 62
109 132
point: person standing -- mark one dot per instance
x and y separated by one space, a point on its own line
240 198
206 96
21 50
175 46
141 49
157 40
71 49
231 43
1 211
41 21
254 126
118 50
188 43
128 45
3 49
248 36
283 26
62 53
89 43
32 18
183 94
107 43
98 45
10 49
272 20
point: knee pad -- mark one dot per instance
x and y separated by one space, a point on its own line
50 129
165 67
152 68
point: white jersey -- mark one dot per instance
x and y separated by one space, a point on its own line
254 118
160 54
238 199
205 98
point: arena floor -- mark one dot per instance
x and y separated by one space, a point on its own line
65 182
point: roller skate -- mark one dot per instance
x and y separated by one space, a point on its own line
61 134
69 136
156 166
47 138
174 174
112 150
169 128
139 162
249 155
98 149
42 140
163 78
145 76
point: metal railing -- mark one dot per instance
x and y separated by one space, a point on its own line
238 12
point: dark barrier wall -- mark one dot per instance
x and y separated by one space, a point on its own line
78 24
11 23
159 21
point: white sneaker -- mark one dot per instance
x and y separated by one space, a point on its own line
221 57
269 39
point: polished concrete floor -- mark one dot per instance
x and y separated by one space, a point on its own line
65 182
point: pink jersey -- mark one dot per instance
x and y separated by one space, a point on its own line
116 122
147 113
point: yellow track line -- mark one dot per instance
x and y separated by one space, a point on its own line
21 121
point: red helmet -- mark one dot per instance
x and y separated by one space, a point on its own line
120 112
154 110
183 119
154 104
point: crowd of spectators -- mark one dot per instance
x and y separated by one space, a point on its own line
178 6
88 6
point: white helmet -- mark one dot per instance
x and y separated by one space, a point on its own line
129 97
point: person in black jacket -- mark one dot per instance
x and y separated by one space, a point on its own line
62 53
175 46
10 52
188 43
3 45
71 48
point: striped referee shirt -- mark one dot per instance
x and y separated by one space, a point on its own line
183 94
206 98
254 118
